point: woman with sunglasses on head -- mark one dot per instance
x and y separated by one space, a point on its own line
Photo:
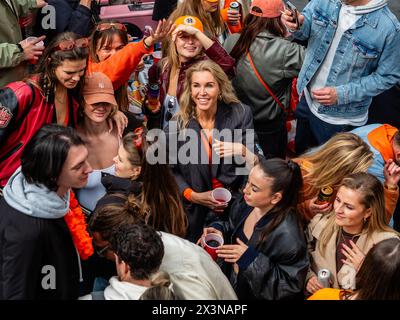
265 253
262 48
338 241
209 110
189 45
51 95
111 54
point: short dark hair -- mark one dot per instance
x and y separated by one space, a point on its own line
379 274
44 155
140 246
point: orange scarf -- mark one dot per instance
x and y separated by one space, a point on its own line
77 226
381 139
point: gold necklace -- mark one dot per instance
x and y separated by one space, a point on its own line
62 101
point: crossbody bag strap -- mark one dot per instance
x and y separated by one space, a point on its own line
263 83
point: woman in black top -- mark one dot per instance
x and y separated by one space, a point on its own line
266 257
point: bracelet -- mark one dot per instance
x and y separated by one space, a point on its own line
390 187
147 47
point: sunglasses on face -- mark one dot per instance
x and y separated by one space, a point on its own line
110 25
170 105
67 45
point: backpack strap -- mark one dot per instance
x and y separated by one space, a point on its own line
263 83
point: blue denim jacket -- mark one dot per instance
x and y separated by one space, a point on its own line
367 60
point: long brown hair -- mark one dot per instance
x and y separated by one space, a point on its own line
379 275
213 23
51 59
286 178
99 39
372 197
160 200
252 26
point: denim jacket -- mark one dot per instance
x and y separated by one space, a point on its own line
367 60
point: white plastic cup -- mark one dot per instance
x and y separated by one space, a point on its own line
39 44
32 39
221 195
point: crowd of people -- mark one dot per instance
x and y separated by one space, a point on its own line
100 202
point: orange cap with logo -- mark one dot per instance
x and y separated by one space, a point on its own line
190 21
98 88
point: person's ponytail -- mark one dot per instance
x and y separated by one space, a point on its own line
161 288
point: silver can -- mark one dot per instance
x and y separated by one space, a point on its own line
234 6
324 276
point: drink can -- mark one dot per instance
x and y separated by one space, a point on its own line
153 95
324 276
234 6
324 195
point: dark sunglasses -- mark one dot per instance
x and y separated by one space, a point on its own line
170 105
67 45
110 25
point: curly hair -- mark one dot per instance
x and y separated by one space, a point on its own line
140 246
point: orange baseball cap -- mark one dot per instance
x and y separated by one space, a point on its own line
267 8
98 88
212 0
190 21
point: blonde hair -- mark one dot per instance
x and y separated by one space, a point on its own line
161 288
343 154
372 197
212 22
187 105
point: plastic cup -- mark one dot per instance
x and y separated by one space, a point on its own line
221 195
157 55
39 44
211 242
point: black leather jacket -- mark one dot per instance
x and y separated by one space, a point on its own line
274 269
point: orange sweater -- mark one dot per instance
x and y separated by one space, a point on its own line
328 294
120 66
308 193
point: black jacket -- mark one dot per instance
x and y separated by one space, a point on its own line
70 16
27 246
117 189
163 8
197 176
274 269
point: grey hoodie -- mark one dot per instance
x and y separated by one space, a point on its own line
34 200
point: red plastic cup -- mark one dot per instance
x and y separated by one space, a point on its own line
39 44
157 55
211 242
